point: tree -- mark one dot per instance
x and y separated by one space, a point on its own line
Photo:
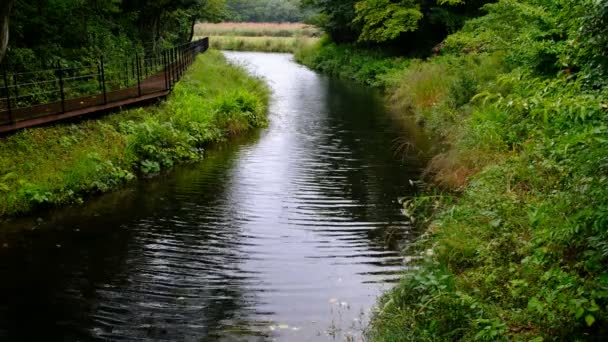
337 18
5 10
384 20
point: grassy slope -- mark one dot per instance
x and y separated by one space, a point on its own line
515 244
57 165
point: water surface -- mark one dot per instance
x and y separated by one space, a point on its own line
283 235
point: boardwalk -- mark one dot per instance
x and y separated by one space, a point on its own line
151 79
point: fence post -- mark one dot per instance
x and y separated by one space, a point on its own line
138 75
103 81
61 86
164 57
179 63
175 77
8 96
170 67
183 60
126 74
16 88
189 54
99 77
173 62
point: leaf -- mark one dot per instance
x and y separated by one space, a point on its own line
579 312
534 305
590 320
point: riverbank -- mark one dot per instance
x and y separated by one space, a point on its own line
515 226
65 163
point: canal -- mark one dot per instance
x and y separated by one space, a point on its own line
288 234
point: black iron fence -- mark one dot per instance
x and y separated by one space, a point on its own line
34 94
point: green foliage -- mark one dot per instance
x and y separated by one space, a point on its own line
371 67
63 163
590 44
336 18
384 20
407 25
80 31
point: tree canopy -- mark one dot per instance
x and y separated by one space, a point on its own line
409 24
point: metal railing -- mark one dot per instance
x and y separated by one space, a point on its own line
33 94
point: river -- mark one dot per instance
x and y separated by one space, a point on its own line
287 234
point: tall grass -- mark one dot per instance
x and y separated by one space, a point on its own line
262 44
63 163
256 30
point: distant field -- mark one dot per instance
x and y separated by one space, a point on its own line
256 30
263 44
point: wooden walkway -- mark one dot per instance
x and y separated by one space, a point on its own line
158 85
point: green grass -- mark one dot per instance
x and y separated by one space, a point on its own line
62 164
515 224
261 44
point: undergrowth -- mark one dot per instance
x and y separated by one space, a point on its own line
62 164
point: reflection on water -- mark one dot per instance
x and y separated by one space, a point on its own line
280 236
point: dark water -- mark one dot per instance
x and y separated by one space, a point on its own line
283 235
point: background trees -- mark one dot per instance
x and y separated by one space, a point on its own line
407 25
265 10
41 31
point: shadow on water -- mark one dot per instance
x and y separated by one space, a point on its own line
281 235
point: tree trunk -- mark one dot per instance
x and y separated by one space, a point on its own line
5 10
192 28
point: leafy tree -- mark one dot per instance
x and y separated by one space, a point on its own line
337 18
81 30
384 20
405 24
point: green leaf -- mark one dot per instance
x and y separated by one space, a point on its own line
534 304
579 312
589 319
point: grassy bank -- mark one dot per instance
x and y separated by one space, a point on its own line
62 164
515 243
